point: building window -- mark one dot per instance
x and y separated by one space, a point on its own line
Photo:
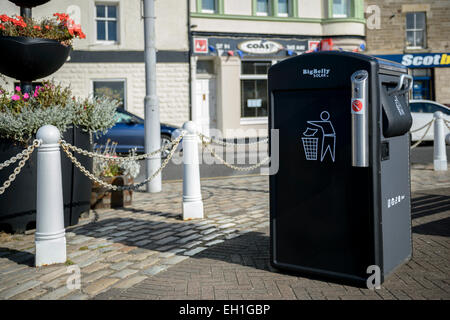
209 6
262 8
106 22
422 84
415 30
284 8
115 89
341 8
254 88
205 67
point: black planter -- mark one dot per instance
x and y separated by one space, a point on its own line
28 59
29 3
18 203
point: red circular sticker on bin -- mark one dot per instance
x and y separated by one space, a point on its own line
357 105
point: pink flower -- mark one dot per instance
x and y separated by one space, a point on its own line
15 97
17 88
26 96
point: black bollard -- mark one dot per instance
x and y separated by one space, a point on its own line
25 12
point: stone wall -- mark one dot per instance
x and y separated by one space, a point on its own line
390 38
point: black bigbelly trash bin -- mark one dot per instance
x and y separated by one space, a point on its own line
340 201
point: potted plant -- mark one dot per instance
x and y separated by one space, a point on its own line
31 49
21 115
116 173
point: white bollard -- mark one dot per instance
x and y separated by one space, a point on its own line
192 196
440 154
50 236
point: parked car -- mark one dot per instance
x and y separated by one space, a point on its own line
129 133
422 113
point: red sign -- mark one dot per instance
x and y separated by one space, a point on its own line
326 44
201 45
357 105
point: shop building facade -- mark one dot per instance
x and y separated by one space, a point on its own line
234 43
415 33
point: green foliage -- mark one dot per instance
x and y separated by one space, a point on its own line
21 115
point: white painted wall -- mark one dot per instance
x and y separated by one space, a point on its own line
238 7
310 9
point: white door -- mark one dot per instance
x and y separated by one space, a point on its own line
206 104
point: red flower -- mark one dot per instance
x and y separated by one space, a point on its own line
63 17
37 27
19 23
5 18
48 27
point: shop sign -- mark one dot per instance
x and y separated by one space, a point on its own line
420 60
201 45
260 46
220 46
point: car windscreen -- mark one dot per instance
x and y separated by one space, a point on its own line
122 117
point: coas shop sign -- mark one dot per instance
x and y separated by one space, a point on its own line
260 46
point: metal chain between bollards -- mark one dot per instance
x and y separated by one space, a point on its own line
117 158
24 155
424 126
205 145
447 124
426 132
115 187
224 143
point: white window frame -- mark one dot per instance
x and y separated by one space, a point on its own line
216 5
339 15
106 19
124 80
253 120
290 8
414 30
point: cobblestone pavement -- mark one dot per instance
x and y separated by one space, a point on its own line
146 251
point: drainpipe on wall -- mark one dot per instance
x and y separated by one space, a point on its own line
189 55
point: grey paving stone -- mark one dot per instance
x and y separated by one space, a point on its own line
194 251
166 240
11 292
186 233
228 225
120 265
124 273
213 242
189 238
192 244
56 294
212 236
174 260
154 270
208 231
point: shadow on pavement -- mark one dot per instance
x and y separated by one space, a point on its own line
19 257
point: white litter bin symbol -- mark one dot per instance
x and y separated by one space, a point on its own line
311 142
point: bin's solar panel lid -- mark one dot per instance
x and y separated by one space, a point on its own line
391 65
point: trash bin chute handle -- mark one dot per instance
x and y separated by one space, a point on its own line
398 88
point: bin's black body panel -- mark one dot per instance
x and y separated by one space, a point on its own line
326 215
